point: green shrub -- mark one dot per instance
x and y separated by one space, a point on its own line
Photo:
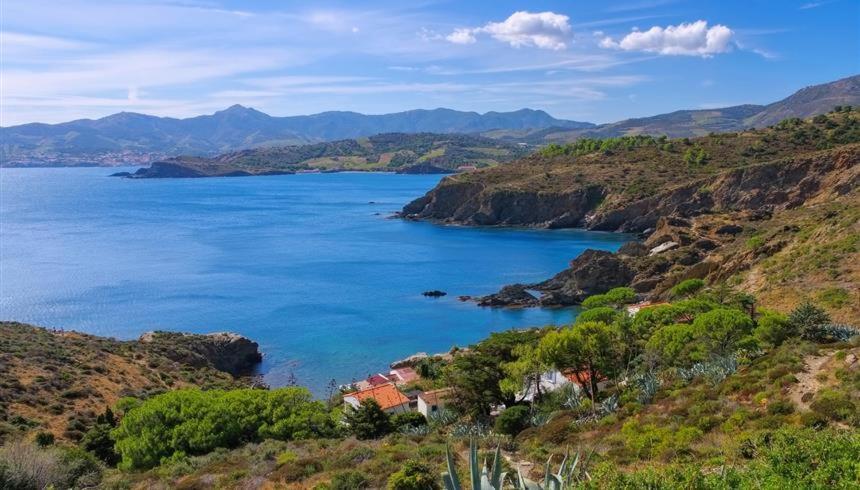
349 480
408 419
780 407
513 420
834 297
808 320
834 405
722 329
674 345
414 475
755 242
687 288
773 328
603 314
368 421
44 439
196 422
616 297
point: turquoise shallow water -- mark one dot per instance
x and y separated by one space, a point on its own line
307 265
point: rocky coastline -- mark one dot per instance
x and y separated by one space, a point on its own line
689 231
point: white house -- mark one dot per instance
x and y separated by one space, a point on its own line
431 402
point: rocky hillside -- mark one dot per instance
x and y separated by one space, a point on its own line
57 382
767 208
393 152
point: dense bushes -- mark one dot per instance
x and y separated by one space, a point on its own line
414 475
368 421
616 297
349 480
513 420
25 466
408 419
183 422
786 458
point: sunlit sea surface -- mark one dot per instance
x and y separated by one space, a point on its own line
310 266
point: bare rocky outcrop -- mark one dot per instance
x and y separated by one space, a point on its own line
514 295
224 351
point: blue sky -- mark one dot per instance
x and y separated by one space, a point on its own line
582 60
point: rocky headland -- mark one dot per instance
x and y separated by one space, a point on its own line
61 379
752 198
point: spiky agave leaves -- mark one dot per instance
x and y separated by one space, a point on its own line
450 478
478 475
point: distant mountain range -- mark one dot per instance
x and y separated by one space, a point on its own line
809 101
130 138
128 134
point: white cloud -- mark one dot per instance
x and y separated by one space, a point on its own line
461 36
545 30
693 39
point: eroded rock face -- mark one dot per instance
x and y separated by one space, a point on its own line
228 352
593 272
467 203
760 189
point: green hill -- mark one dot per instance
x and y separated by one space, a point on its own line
392 152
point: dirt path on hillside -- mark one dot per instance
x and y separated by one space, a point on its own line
807 381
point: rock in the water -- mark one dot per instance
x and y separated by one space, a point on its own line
513 295
228 352
435 293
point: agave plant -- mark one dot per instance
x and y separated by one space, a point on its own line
441 418
572 396
465 429
648 384
538 419
415 430
715 370
569 473
479 476
838 332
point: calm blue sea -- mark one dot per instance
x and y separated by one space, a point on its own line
310 266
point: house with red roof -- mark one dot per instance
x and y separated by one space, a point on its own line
389 398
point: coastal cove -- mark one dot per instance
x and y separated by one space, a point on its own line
310 266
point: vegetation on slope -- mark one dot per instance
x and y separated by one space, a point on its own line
709 391
59 382
628 169
422 152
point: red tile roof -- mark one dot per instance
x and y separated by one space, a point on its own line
377 379
435 396
404 375
386 395
584 376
